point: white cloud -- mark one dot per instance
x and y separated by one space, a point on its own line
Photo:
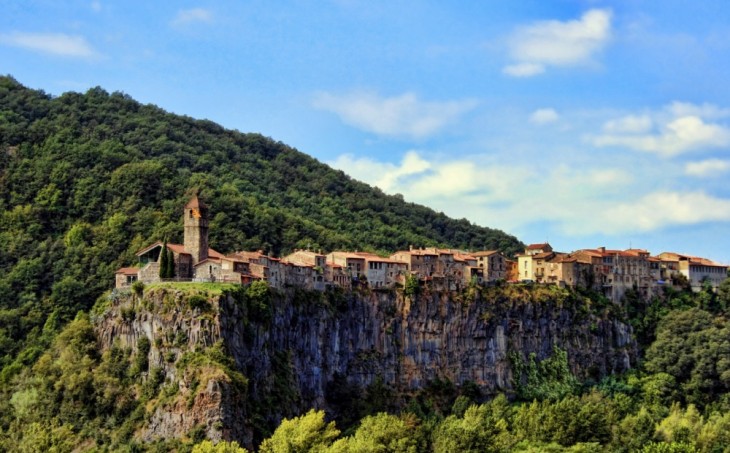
556 43
387 176
194 15
58 44
660 209
544 116
399 116
709 167
707 111
505 196
631 124
524 69
676 136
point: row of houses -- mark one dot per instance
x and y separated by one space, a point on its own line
609 271
613 272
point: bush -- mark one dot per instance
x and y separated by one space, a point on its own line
138 288
198 302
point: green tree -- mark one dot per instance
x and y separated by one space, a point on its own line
381 433
164 261
693 346
207 446
307 433
476 431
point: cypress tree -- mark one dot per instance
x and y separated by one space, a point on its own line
170 264
164 260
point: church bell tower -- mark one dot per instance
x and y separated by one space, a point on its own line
196 229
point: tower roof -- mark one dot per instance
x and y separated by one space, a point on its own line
195 202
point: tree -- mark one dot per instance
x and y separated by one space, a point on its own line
380 433
476 432
164 261
693 346
207 446
307 433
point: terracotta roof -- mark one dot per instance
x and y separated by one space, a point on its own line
195 202
638 251
543 255
704 262
349 255
463 257
537 246
373 257
416 252
485 253
179 249
127 270
211 260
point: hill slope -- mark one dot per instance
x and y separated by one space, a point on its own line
88 179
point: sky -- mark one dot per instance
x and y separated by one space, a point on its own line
579 123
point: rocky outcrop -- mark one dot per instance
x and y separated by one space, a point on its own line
306 340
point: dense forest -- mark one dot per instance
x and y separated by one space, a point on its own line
88 179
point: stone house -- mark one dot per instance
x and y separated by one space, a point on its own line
419 262
698 271
383 272
352 264
337 276
493 264
125 276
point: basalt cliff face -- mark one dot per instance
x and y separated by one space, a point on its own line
292 347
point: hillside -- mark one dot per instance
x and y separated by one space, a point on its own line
88 179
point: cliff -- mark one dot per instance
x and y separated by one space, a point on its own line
291 347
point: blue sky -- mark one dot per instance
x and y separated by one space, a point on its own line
581 123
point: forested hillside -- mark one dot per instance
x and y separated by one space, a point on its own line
88 179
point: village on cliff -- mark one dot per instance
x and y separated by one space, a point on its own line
611 272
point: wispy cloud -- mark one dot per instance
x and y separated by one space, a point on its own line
191 16
709 167
58 44
677 129
544 116
660 209
554 43
399 116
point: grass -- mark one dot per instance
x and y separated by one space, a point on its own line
213 289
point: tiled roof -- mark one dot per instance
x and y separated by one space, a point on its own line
704 262
179 249
416 252
537 246
209 260
484 253
127 270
